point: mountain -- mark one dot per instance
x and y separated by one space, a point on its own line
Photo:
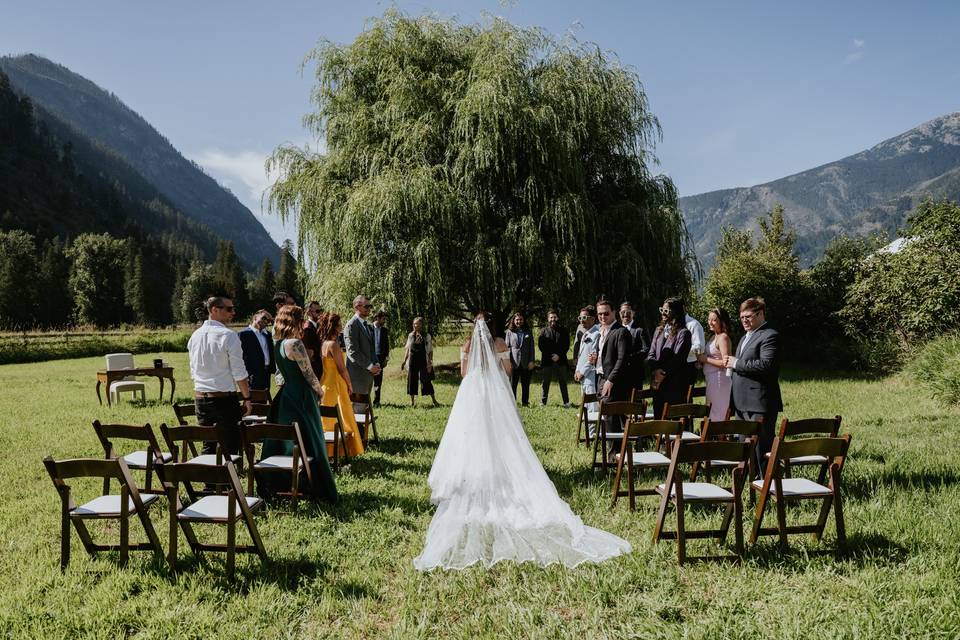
107 123
871 191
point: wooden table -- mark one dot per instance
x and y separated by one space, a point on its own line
113 375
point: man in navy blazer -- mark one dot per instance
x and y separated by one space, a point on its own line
258 350
756 370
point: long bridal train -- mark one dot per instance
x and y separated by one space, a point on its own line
494 500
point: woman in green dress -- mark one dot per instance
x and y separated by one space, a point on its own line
297 401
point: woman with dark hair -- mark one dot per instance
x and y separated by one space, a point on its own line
667 359
297 400
719 347
336 383
418 360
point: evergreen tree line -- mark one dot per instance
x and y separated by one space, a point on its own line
101 280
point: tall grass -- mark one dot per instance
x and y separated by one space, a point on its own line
937 368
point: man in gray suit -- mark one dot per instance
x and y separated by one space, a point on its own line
362 363
520 341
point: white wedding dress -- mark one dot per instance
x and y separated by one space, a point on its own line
494 500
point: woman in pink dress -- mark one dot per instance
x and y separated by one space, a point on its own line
720 345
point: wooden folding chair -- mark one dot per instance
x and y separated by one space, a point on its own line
644 397
681 493
365 419
725 430
182 442
688 413
104 507
809 426
143 459
586 418
224 509
185 411
336 437
782 490
624 410
634 461
694 392
254 434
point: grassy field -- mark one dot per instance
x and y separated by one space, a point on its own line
346 571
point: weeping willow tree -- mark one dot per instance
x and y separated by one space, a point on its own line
479 166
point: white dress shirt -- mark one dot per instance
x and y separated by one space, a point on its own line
216 358
696 338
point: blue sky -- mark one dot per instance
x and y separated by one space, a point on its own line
745 91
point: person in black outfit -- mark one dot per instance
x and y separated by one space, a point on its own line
381 348
554 342
755 390
418 359
667 359
639 344
613 364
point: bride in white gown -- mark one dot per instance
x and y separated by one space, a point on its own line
494 500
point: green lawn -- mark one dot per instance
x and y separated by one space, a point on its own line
346 571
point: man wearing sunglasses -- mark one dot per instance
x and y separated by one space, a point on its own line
217 369
362 364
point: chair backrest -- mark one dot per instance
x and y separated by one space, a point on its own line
256 433
61 470
699 451
636 395
634 429
696 392
106 433
690 410
184 410
835 448
117 361
620 409
588 398
747 428
330 411
260 396
187 437
829 426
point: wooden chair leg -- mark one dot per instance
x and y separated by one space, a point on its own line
758 515
661 513
64 530
782 521
738 515
618 475
295 480
838 507
172 553
124 526
631 492
231 533
822 518
681 532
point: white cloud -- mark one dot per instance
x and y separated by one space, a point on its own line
859 50
244 174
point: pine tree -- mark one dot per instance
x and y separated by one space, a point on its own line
54 299
229 277
97 278
18 269
181 269
287 279
135 294
263 287
197 287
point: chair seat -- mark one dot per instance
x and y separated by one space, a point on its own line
689 436
361 418
253 418
797 487
109 506
649 415
593 416
279 462
724 463
210 459
649 459
699 491
138 459
126 385
214 508
806 459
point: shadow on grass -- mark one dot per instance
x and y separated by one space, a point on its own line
864 487
861 550
360 504
812 373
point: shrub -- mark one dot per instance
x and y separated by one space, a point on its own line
937 368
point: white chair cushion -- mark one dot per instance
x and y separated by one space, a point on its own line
699 491
593 416
689 436
210 459
109 505
138 459
723 463
126 385
649 415
278 462
214 507
360 418
807 459
649 459
796 487
253 418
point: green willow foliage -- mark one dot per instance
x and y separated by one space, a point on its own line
476 166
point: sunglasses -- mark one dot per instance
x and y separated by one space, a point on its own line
604 314
366 306
228 309
664 311
748 316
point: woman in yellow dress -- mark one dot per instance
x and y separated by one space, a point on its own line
336 384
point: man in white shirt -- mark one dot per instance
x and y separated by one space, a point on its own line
217 369
697 343
586 372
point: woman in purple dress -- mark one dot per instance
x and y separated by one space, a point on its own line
719 346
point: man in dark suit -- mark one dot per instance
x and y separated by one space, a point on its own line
639 344
613 363
755 370
257 346
554 342
381 347
311 339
